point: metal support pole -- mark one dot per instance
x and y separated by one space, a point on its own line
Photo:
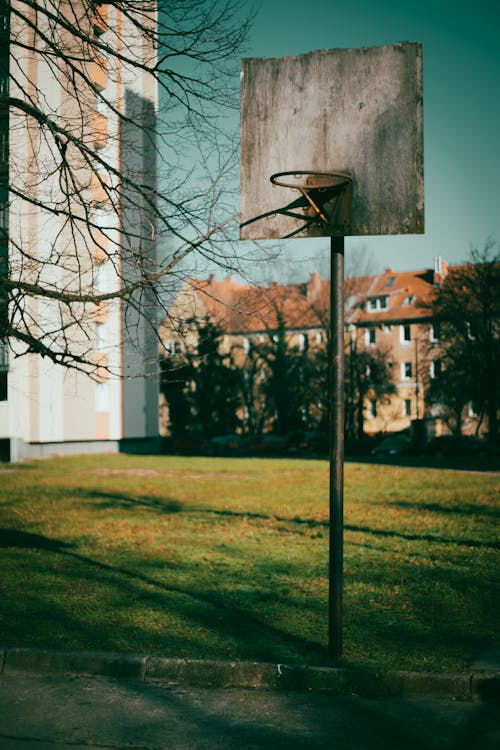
417 386
336 408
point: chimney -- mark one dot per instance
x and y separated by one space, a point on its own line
440 269
314 286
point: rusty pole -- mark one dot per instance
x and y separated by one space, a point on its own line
336 410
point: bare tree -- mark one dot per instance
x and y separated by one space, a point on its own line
108 194
466 307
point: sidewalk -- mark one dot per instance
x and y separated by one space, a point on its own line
53 700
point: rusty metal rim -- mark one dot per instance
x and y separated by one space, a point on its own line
334 179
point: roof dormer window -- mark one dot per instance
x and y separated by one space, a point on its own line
376 304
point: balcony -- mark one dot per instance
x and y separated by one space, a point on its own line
101 312
100 130
99 72
101 362
99 188
99 254
100 19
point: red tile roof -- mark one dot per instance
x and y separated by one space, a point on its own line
240 308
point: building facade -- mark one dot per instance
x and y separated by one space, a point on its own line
387 313
66 216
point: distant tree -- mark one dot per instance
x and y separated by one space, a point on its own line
448 394
257 411
201 385
284 372
216 383
467 309
176 386
367 378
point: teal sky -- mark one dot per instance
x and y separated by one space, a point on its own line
461 57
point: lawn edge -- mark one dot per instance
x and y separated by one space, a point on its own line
213 674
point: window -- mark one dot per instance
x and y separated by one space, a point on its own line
405 334
471 329
303 342
172 347
409 299
4 148
3 385
377 303
100 274
4 218
434 368
4 368
407 408
472 410
372 409
101 105
405 370
103 216
370 336
319 338
4 84
246 345
102 397
101 337
390 281
434 332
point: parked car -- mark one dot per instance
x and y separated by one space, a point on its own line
224 445
455 445
263 445
394 445
307 443
188 445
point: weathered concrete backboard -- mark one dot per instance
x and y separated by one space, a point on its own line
351 110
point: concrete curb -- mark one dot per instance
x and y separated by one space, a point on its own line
178 673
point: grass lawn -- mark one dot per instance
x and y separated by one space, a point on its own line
227 558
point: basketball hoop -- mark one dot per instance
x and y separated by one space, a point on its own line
312 181
325 201
328 194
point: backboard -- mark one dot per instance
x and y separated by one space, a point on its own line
353 111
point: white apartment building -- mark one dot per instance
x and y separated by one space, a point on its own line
47 408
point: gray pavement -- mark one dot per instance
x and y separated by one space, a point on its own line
53 712
53 700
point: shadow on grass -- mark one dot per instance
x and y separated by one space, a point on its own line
170 505
424 537
28 540
464 509
453 463
313 523
204 616
209 611
106 500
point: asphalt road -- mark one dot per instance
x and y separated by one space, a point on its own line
78 713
